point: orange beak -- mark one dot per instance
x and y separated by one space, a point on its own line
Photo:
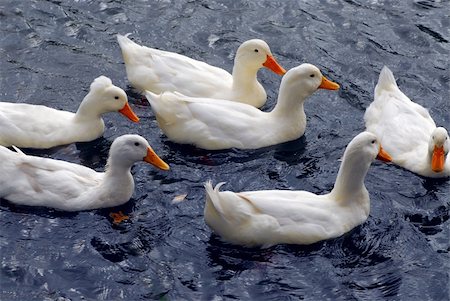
128 112
328 84
383 155
273 65
154 160
438 159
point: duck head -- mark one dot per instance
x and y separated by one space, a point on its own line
438 148
105 97
304 80
255 54
128 149
367 147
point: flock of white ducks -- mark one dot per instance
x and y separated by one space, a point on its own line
195 103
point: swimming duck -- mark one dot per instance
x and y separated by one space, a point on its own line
221 124
407 130
37 126
158 71
269 217
36 181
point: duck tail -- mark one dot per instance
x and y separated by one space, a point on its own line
128 47
212 197
151 97
386 80
124 40
18 150
165 110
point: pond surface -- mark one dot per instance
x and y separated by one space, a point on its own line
52 50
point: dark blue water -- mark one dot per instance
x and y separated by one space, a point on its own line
50 51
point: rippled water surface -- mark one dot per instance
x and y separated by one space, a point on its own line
50 51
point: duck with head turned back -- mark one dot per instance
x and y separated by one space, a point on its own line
158 71
221 124
407 130
35 181
269 217
37 126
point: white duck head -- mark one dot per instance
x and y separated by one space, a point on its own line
306 79
105 97
128 149
365 148
254 54
298 84
438 148
358 156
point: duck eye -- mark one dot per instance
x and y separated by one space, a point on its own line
116 97
137 143
373 141
256 50
312 75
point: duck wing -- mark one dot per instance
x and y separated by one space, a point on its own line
26 125
274 216
298 208
159 71
209 124
39 181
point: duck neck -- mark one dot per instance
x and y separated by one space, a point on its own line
350 178
117 168
118 175
244 78
289 103
117 186
87 110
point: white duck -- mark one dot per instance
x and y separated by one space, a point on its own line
407 130
221 124
36 181
158 71
37 126
269 217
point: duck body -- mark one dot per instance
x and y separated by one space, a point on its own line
269 217
221 124
158 71
406 128
35 181
37 126
44 127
